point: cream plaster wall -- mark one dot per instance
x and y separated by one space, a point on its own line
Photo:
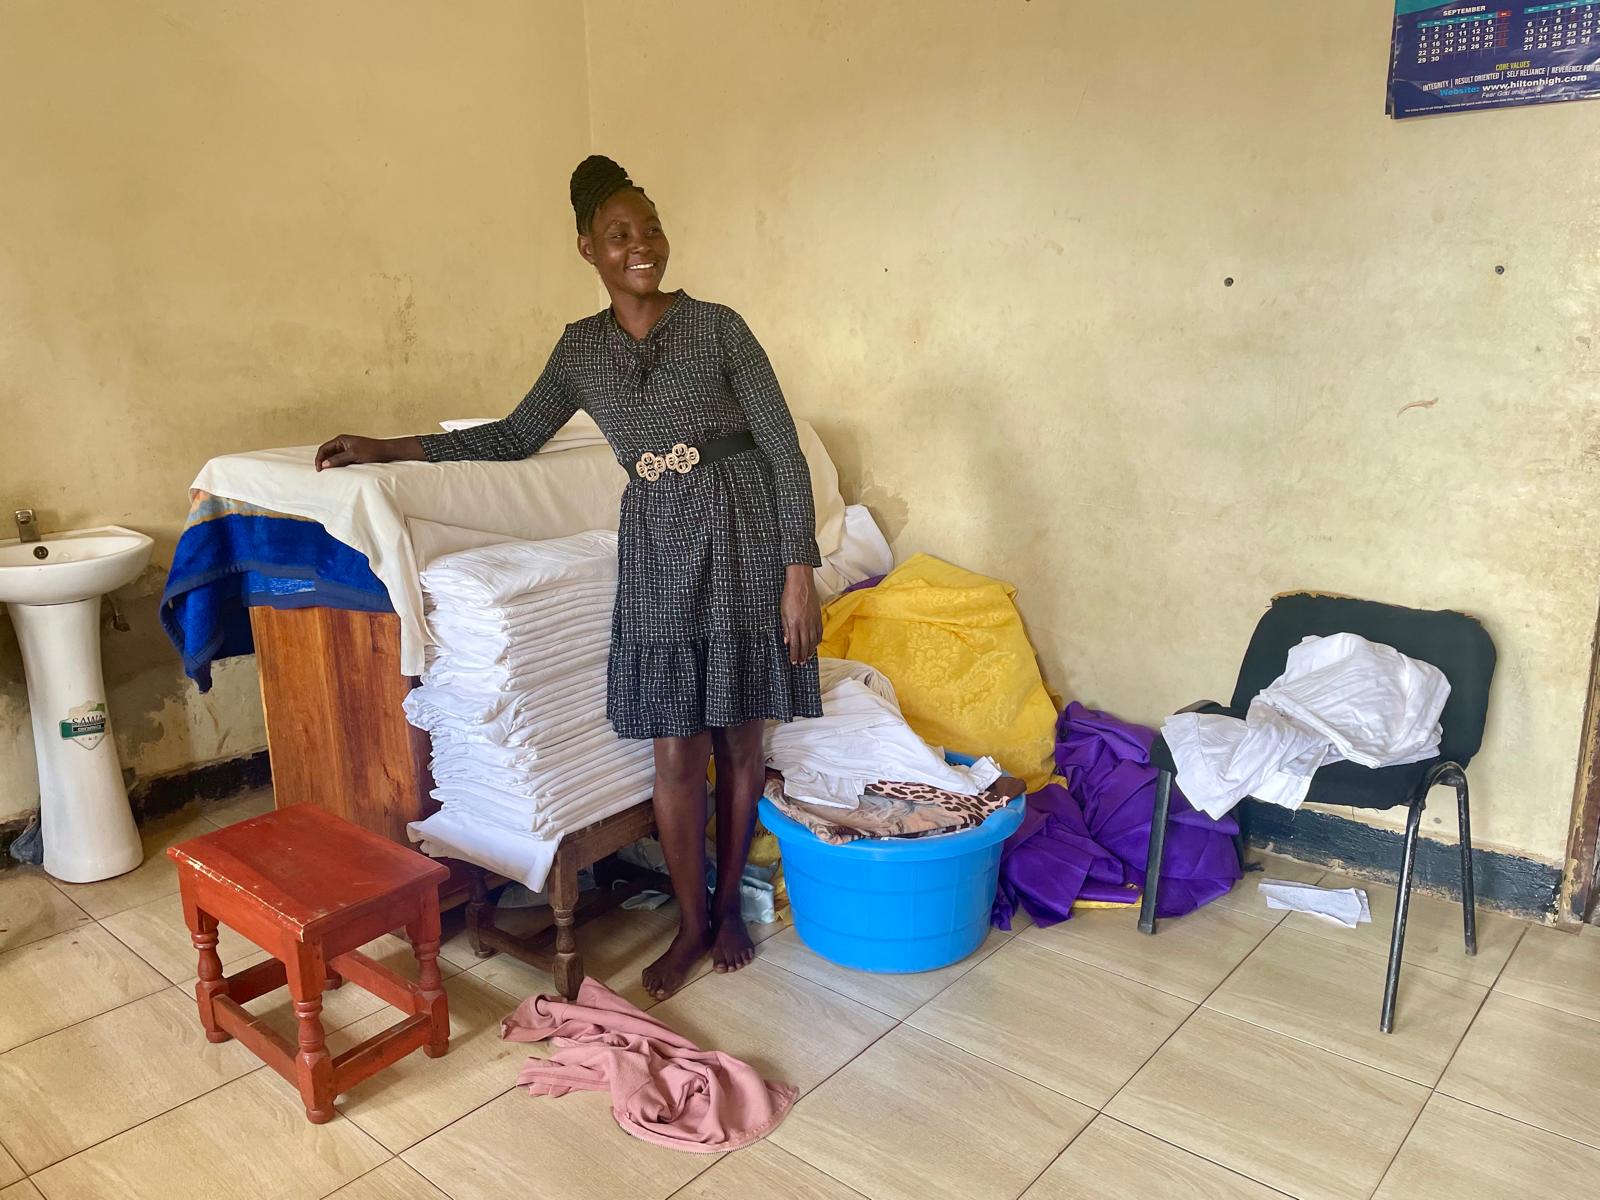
237 225
986 245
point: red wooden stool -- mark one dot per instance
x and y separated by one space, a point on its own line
310 888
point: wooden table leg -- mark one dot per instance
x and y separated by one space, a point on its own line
211 984
313 1065
563 904
476 907
431 998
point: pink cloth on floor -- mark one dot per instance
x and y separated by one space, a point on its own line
664 1089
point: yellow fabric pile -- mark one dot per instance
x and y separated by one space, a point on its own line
953 645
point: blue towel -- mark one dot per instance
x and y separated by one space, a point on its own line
233 556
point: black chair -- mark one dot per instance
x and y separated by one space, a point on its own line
1455 643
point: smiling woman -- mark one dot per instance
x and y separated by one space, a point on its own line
620 234
716 622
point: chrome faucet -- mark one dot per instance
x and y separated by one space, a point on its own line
27 526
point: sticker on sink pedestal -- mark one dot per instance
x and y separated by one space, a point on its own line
85 725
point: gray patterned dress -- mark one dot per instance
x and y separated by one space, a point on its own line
697 637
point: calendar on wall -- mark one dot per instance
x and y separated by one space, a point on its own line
1454 57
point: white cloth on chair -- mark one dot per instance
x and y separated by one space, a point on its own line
1340 697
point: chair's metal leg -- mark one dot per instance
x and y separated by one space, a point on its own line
1402 904
1158 845
1469 900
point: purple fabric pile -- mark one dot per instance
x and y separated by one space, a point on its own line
1089 840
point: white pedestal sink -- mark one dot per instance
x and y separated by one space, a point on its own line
52 588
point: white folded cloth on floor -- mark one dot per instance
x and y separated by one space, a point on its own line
861 739
1342 906
1340 697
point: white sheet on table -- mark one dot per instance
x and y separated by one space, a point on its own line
524 634
502 670
525 857
488 707
374 508
550 738
1340 697
521 652
498 671
582 430
520 762
516 854
548 814
861 739
548 777
513 727
573 662
530 611
497 576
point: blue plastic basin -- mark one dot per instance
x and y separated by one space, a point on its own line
895 905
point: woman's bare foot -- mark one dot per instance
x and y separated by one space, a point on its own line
731 947
668 973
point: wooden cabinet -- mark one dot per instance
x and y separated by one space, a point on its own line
332 689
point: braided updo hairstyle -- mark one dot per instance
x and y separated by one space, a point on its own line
595 181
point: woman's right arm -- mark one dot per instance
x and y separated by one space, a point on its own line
348 449
549 405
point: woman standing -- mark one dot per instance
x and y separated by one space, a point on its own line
716 622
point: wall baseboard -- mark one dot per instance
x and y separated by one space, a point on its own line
1523 886
161 795
10 831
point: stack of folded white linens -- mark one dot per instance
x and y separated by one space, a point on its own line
514 696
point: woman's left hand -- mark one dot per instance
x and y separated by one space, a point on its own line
802 614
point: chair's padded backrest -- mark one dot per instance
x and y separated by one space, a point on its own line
1454 642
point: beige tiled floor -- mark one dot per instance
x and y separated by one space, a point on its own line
1233 1056
1434 936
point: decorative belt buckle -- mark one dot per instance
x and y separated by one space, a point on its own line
680 458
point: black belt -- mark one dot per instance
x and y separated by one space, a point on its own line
683 458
